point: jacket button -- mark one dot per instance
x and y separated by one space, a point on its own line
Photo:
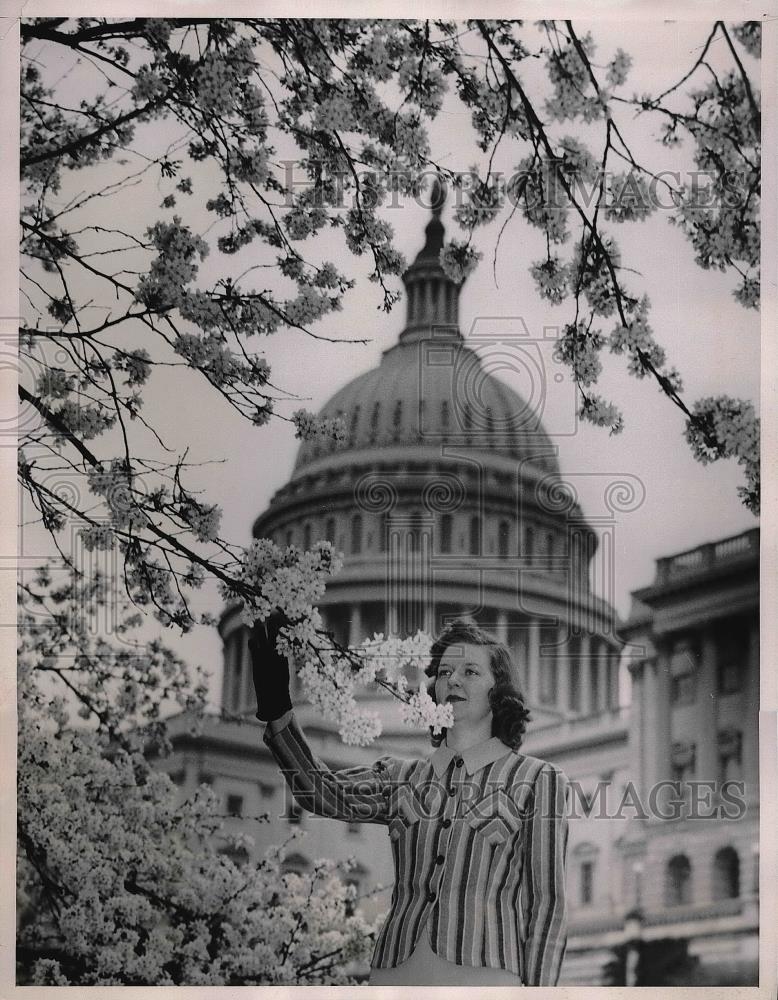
446 824
459 762
440 859
452 791
431 896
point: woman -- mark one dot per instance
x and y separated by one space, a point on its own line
478 829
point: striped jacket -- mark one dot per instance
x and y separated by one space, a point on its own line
478 839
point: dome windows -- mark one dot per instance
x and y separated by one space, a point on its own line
475 536
503 539
356 534
446 528
374 419
354 425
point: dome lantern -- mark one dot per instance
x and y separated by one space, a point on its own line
432 297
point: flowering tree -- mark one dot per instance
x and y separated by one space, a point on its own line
119 883
212 112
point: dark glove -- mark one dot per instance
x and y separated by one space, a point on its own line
270 670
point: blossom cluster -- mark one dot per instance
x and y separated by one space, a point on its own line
573 95
122 883
723 427
113 482
628 198
83 420
579 347
310 426
636 339
544 202
204 519
292 582
459 259
552 279
175 266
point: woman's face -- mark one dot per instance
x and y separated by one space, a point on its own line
464 679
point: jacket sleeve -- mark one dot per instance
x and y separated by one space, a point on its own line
543 879
355 794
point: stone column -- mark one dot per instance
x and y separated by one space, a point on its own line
614 658
662 735
248 698
637 743
750 718
707 768
228 667
501 627
427 286
562 669
355 625
650 720
604 697
533 663
585 675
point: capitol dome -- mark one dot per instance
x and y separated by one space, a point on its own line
431 388
446 498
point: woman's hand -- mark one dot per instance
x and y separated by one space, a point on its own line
270 670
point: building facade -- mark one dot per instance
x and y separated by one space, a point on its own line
446 498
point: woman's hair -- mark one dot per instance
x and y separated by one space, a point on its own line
509 713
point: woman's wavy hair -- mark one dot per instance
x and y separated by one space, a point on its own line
509 713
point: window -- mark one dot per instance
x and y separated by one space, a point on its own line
503 539
683 683
307 536
529 543
683 690
445 533
475 536
356 534
678 881
295 862
289 536
587 882
730 744
682 761
731 660
726 874
237 855
329 530
550 544
234 805
398 419
354 424
374 422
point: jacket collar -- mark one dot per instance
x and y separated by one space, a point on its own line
475 757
